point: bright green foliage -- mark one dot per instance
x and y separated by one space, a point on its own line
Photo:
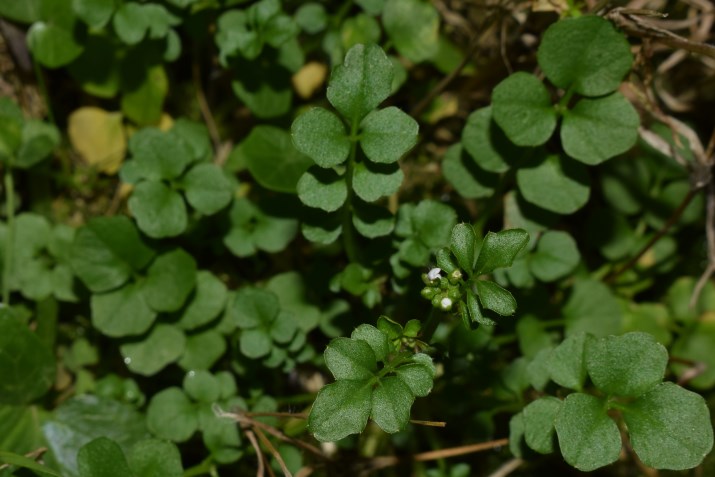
628 371
363 391
272 159
522 108
592 308
464 287
424 228
170 279
24 143
486 143
163 345
554 183
311 17
355 89
466 176
176 414
246 32
253 228
555 257
413 27
588 437
586 54
27 365
134 21
159 170
51 38
102 456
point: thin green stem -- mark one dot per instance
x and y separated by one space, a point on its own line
10 234
203 468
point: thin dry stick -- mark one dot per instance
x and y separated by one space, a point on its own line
507 468
663 230
204 107
710 237
276 455
388 461
696 368
242 418
252 438
428 423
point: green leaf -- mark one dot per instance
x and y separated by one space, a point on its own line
81 419
697 346
206 303
171 415
588 437
52 44
252 307
391 403
413 27
106 251
320 135
102 457
143 102
669 427
418 375
162 346
27 365
627 365
432 223
495 298
554 183
272 159
361 83
487 145
159 155
202 386
387 134
475 310
97 69
293 294
592 308
598 129
23 12
372 221
567 363
539 419
170 280
207 188
500 249
17 460
373 337
361 28
202 350
95 13
253 229
311 17
38 141
516 434
122 312
461 243
263 86
196 137
155 458
350 359
133 21
464 174
159 211
323 189
372 181
340 409
556 256
586 54
522 108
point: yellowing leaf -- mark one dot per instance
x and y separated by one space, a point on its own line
166 122
309 78
99 138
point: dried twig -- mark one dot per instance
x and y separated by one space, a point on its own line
507 468
274 452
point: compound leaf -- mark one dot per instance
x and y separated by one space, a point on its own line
413 27
391 403
351 359
539 419
323 189
170 280
554 183
159 211
207 188
495 298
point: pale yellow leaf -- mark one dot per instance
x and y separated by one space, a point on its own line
97 135
309 78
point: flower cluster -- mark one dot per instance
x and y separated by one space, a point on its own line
442 291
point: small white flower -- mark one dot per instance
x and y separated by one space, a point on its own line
434 274
446 303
